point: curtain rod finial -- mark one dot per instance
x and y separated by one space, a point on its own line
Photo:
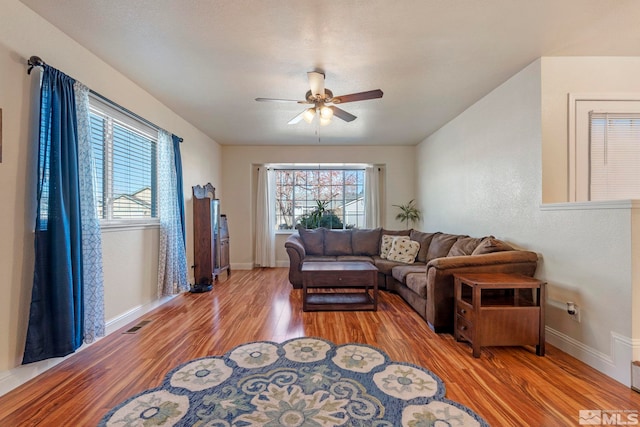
34 61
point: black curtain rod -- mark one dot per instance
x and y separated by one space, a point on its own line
36 61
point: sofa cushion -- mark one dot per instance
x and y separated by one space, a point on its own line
400 272
441 244
320 258
417 282
424 239
384 265
396 232
491 244
354 258
403 249
464 246
313 240
337 242
366 242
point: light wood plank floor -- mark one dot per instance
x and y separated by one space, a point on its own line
507 386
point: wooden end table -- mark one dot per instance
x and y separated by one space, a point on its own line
328 275
512 318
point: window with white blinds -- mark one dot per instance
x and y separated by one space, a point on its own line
124 151
614 150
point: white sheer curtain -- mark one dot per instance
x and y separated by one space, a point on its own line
265 218
172 259
92 274
372 196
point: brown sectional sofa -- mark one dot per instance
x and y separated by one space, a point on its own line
427 284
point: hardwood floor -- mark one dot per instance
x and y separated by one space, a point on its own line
508 386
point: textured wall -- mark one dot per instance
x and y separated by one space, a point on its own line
482 174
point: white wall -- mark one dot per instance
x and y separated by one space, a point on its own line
239 182
482 174
130 264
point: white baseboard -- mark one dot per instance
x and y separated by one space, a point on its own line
617 364
241 266
17 376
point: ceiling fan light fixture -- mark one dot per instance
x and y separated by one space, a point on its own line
309 114
326 113
324 122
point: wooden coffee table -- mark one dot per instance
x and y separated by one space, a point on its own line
339 275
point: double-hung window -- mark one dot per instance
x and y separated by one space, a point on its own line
320 196
125 161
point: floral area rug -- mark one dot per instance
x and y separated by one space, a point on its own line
301 382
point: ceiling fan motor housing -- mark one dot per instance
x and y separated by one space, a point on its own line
312 99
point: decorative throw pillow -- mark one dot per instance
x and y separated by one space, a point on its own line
403 249
385 245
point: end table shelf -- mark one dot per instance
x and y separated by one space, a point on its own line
494 309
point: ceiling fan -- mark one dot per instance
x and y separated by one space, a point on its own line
323 101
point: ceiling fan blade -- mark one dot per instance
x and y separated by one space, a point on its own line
280 100
341 114
316 82
297 118
360 96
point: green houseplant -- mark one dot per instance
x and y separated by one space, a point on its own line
409 212
320 217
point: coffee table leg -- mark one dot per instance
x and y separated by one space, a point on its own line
304 295
375 291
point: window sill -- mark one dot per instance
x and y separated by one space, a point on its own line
285 232
111 226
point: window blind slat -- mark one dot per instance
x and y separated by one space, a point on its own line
614 156
125 163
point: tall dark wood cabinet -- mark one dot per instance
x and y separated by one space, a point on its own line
211 236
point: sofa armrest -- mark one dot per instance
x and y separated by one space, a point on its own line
505 257
295 250
294 242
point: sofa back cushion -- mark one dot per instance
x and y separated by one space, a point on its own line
366 241
441 245
491 244
424 239
396 232
337 242
313 240
464 246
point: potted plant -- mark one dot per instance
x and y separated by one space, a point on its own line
320 217
408 212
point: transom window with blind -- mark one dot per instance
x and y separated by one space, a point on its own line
125 162
607 150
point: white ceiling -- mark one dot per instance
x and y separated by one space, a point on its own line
208 59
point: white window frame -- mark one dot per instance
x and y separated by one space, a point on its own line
103 107
315 166
578 123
